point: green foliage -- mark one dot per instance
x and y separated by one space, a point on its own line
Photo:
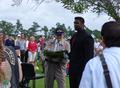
32 30
18 27
88 30
70 32
67 31
110 7
97 34
45 29
7 27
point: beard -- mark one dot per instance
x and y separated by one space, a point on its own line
77 28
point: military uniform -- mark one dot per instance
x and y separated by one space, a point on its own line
56 69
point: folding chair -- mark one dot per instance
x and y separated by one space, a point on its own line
29 74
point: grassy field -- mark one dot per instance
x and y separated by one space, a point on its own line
40 83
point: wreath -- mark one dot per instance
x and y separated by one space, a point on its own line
54 54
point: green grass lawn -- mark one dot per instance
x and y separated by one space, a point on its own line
40 83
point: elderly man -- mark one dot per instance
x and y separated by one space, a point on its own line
55 65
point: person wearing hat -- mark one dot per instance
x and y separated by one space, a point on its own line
55 65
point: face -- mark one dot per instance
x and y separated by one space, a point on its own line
32 39
22 36
59 37
78 25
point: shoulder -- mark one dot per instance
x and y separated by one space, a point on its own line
88 37
94 63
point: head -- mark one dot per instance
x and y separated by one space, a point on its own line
111 34
79 23
59 32
18 36
32 38
22 36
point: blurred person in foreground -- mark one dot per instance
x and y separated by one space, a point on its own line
5 69
82 50
8 55
56 59
94 73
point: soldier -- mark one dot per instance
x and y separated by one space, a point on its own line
55 67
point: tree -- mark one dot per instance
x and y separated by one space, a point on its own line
70 32
97 34
88 30
7 27
32 30
110 7
19 27
45 30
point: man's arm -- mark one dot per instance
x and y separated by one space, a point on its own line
20 71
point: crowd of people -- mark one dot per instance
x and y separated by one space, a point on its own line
92 62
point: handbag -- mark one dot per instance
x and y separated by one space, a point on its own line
106 71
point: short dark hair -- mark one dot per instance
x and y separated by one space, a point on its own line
111 34
81 19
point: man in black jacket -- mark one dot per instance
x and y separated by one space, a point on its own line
82 49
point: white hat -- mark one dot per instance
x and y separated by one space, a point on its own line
18 35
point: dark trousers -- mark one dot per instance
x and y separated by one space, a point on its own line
22 55
74 80
26 56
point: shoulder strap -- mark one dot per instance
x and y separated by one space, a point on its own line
106 71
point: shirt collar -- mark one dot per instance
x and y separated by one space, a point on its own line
112 50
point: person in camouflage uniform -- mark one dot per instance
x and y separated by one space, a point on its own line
55 67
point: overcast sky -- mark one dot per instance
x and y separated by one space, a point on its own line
47 14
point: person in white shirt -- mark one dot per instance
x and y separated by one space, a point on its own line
97 47
93 76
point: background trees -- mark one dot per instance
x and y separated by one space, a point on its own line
8 27
18 27
110 7
11 29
